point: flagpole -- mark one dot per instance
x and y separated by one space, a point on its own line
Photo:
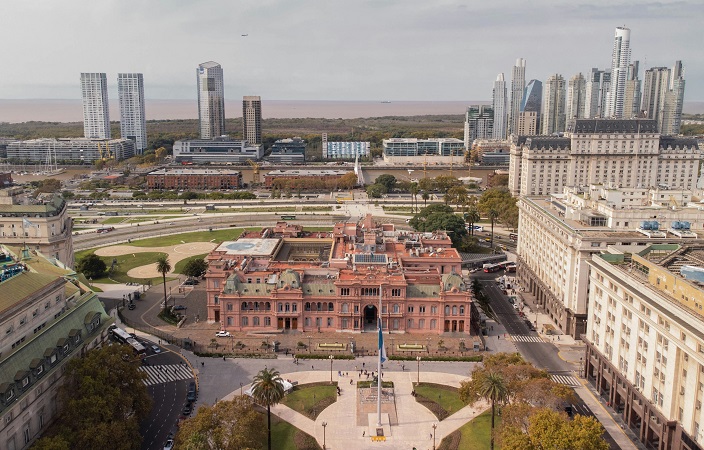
381 349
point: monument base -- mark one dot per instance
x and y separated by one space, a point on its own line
379 432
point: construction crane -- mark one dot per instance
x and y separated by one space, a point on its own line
104 155
255 171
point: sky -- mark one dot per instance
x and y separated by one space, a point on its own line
434 50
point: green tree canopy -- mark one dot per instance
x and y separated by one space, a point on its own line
501 201
92 266
440 217
228 425
105 399
267 390
195 268
376 190
388 181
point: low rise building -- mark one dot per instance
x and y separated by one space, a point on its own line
418 151
277 178
288 151
557 235
491 152
335 281
41 223
221 150
70 150
47 317
645 344
345 150
194 179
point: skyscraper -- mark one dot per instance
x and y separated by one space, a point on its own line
598 83
478 124
552 119
663 95
252 119
620 59
211 100
499 131
576 94
518 83
529 115
631 97
133 124
96 116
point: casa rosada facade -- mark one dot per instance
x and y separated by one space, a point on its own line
282 278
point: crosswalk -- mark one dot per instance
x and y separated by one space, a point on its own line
166 373
567 380
526 338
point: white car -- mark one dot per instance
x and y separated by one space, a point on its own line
222 334
169 445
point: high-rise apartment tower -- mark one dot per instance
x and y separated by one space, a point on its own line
663 95
96 116
620 60
576 96
499 98
211 100
552 120
518 83
252 119
598 83
133 123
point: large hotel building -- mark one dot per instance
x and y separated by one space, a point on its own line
281 278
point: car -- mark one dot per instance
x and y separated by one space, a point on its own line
169 445
131 306
222 334
179 307
186 410
191 282
156 348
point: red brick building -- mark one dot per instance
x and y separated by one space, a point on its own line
335 281
194 179
323 175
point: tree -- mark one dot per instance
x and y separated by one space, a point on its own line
267 390
493 214
388 181
104 400
92 266
472 217
426 197
159 154
163 266
376 190
440 217
414 189
195 268
52 443
548 429
227 425
457 195
493 389
500 199
445 183
498 180
48 185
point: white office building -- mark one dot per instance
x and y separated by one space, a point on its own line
552 118
96 115
518 84
133 122
345 150
620 60
211 100
221 150
576 97
252 119
499 102
598 83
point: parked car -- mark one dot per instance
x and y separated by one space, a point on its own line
222 334
191 396
191 282
186 410
169 445
179 307
131 306
156 348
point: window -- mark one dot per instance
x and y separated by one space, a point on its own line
229 321
395 292
280 307
454 310
462 310
307 306
396 309
421 323
244 306
229 306
345 292
267 321
216 299
345 308
318 321
331 307
294 307
410 309
307 321
287 307
245 321
421 309
433 324
329 321
255 321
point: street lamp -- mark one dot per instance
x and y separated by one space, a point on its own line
581 368
309 337
418 372
435 425
241 384
324 424
331 358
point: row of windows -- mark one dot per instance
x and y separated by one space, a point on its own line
330 307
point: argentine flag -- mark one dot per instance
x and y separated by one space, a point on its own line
382 350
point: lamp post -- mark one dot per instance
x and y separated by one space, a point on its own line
418 372
241 384
581 368
331 358
309 337
435 425
324 424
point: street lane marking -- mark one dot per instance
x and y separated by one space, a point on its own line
567 380
165 373
524 338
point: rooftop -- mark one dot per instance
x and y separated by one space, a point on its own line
606 126
307 172
194 172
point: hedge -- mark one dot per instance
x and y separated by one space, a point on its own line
475 358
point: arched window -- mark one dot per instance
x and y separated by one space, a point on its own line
421 323
454 310
331 307
329 321
307 321
294 307
462 310
280 307
447 310
433 324
268 306
318 322
320 306
244 306
267 321
345 308
255 321
397 309
307 306
250 306
288 307
245 321
256 306
410 324
229 321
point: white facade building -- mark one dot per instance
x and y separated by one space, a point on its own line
70 150
576 98
499 102
597 86
345 150
96 114
252 119
211 100
620 60
221 150
518 84
133 122
552 117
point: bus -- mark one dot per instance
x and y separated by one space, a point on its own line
289 217
105 230
492 268
124 337
513 236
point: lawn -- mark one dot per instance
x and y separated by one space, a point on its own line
229 234
311 400
285 436
178 268
447 397
475 434
130 261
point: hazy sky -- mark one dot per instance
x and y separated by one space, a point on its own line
334 49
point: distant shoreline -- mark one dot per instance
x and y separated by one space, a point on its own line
70 110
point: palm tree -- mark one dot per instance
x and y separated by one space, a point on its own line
493 388
267 390
493 214
425 196
163 266
414 192
472 217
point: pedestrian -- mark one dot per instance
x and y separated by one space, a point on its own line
311 367
350 380
363 364
363 433
202 364
223 357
